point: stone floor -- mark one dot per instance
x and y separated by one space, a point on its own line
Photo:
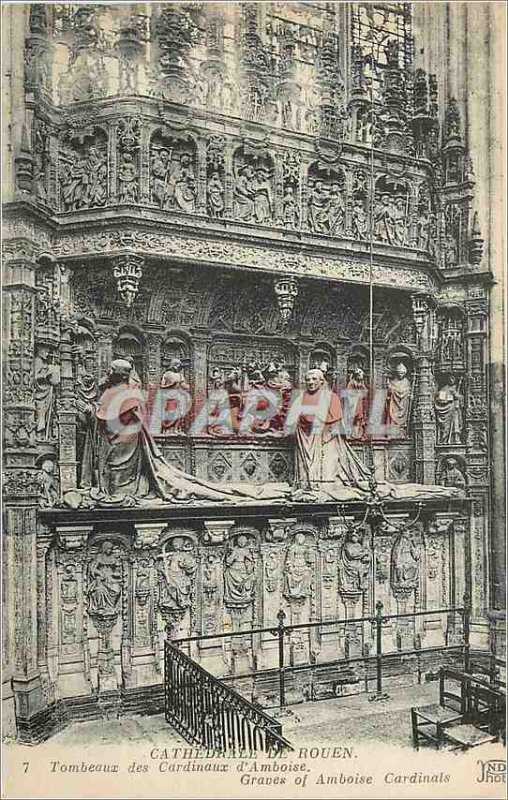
357 718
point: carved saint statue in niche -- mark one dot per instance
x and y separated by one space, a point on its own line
405 570
398 399
290 211
176 574
451 474
46 378
128 188
239 574
423 225
298 569
244 194
360 221
49 484
215 196
335 219
104 582
356 384
354 563
448 408
173 379
323 455
318 207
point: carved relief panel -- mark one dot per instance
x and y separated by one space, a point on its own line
83 169
254 187
173 171
326 200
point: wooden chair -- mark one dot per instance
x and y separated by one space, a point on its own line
471 711
429 722
484 717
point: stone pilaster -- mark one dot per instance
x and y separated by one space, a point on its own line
21 487
423 409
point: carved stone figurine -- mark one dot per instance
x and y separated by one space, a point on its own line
290 213
176 573
47 376
49 484
354 563
215 196
173 379
128 180
104 583
398 400
405 562
322 453
239 574
448 407
358 389
360 221
451 474
298 569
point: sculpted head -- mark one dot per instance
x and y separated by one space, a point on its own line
120 368
314 380
401 370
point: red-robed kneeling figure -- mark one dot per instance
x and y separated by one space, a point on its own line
322 453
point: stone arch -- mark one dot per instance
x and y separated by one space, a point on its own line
129 343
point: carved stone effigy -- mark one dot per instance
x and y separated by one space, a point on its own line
204 227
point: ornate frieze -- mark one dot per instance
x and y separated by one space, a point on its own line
183 248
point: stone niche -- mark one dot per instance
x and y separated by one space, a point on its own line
114 583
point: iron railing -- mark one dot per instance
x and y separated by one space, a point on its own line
208 713
281 631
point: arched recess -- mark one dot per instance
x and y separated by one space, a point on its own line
451 328
176 346
129 343
358 357
324 357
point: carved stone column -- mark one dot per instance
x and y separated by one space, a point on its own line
21 485
147 634
67 620
66 412
201 340
478 450
201 182
144 165
105 350
423 412
112 189
228 179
